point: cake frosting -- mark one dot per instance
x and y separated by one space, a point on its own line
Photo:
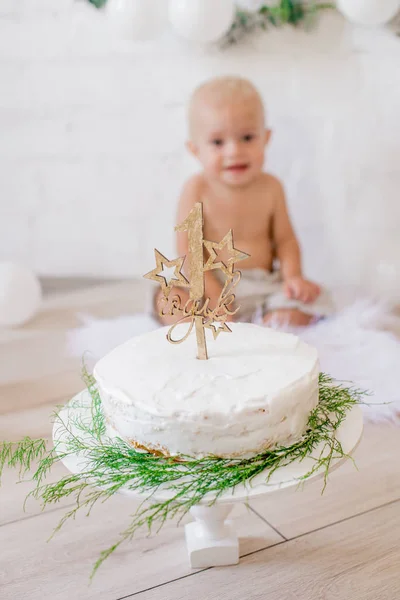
256 391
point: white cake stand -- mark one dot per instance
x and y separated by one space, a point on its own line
211 538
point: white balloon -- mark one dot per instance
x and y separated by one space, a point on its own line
368 12
201 20
138 19
20 294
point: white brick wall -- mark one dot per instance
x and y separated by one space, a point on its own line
92 137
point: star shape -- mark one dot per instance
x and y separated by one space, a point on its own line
233 257
177 279
217 327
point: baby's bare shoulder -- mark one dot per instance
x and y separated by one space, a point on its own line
191 193
268 194
194 186
271 184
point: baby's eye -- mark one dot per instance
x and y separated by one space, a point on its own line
248 137
217 142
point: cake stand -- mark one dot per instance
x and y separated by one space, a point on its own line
211 539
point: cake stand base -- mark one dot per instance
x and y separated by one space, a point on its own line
211 539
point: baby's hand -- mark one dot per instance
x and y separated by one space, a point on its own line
300 289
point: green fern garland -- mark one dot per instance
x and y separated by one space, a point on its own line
111 464
285 12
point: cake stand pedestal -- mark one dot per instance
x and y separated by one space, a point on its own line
211 539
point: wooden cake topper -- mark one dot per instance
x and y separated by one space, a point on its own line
196 311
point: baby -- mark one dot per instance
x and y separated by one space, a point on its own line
228 135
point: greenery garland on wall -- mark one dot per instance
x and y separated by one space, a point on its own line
284 12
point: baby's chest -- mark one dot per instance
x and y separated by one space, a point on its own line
245 225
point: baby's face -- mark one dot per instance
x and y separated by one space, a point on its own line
230 141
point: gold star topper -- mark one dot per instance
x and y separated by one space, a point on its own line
234 255
168 273
158 275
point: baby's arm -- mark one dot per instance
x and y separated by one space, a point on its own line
288 252
192 193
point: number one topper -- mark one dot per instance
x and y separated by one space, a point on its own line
196 311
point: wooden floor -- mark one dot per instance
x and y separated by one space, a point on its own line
344 545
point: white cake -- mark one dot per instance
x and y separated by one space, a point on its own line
256 391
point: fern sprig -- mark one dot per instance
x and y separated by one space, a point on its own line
110 465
